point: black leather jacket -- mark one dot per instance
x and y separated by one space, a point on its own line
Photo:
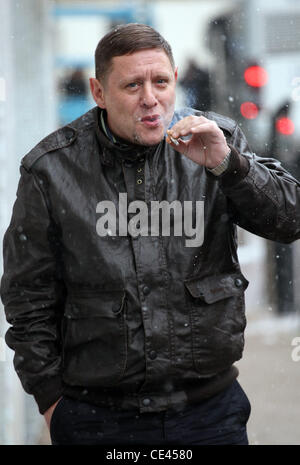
144 316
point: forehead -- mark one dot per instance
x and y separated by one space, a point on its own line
142 61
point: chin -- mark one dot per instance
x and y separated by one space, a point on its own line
151 143
148 140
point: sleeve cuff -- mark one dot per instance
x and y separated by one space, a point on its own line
236 171
47 393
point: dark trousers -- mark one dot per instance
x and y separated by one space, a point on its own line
219 420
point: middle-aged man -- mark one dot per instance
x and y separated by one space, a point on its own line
121 278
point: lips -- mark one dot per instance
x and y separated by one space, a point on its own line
151 120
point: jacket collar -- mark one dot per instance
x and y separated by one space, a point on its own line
113 147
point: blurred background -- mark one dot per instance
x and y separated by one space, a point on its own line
240 58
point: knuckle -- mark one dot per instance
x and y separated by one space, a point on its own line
201 119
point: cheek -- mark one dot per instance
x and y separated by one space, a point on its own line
169 104
169 99
124 107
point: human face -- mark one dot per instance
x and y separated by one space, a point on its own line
139 95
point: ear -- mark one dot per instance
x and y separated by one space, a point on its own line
97 91
176 73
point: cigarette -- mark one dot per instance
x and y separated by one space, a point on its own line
174 141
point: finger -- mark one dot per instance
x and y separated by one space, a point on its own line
180 131
171 139
209 128
200 129
184 125
174 142
201 146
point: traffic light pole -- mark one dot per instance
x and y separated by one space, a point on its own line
281 255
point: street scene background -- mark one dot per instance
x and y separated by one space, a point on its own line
236 57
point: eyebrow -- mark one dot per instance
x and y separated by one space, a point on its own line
138 77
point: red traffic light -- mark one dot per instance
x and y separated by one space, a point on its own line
249 110
256 76
285 126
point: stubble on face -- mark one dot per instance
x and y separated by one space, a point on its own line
140 86
165 120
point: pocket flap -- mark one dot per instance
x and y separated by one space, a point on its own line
218 287
103 304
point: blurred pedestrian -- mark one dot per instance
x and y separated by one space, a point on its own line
73 97
196 85
75 84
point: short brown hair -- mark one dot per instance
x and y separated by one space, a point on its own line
124 40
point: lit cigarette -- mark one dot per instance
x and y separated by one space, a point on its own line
174 141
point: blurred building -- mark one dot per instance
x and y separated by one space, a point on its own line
27 113
256 45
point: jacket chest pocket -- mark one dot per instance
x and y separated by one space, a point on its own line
95 339
217 314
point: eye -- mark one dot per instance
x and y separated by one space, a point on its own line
162 82
132 85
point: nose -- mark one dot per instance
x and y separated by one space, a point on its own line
148 98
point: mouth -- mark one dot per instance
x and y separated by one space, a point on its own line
151 121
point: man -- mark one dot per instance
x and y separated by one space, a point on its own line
121 277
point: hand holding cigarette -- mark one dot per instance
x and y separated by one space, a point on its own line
174 141
207 144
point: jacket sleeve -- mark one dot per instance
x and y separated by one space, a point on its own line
32 292
263 197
